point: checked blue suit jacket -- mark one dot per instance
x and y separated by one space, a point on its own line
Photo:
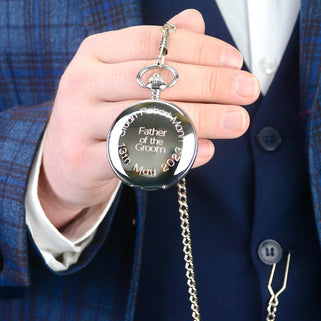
37 41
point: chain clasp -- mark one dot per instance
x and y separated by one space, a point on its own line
274 301
167 29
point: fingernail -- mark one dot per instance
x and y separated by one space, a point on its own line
205 149
231 58
246 86
233 120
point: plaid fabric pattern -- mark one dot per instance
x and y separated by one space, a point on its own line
37 41
310 73
17 144
110 15
39 38
98 291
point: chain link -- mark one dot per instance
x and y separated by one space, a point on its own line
187 249
272 308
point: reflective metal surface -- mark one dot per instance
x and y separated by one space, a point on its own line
152 145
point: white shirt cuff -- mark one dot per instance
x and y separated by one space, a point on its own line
58 251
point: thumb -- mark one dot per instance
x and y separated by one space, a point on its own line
190 19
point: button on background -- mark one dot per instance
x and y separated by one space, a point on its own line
268 65
269 252
269 139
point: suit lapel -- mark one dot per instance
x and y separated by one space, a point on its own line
310 78
102 15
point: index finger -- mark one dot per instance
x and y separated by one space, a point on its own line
142 42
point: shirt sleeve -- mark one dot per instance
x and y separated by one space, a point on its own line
58 251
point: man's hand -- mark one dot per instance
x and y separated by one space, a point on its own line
100 82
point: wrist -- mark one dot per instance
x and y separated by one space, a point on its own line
64 214
58 211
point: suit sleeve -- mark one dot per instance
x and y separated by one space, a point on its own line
21 130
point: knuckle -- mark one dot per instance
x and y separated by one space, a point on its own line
69 156
117 76
198 50
74 81
208 82
66 84
148 41
87 44
206 122
196 117
76 155
213 85
87 156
